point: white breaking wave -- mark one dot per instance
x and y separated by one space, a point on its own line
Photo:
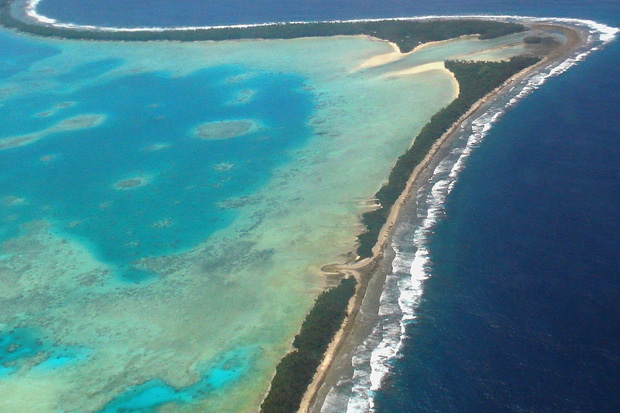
603 32
403 288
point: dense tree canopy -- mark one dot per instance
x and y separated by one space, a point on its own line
476 79
406 34
297 368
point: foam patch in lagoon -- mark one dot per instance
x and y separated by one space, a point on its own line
413 260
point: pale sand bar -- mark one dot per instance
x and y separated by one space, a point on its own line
171 315
371 272
275 234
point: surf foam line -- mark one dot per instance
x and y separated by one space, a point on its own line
373 359
411 266
605 33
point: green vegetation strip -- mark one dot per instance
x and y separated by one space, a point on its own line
296 370
406 34
476 79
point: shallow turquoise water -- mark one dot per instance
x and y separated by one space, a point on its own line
569 366
154 393
191 185
16 58
188 179
21 344
102 176
14 346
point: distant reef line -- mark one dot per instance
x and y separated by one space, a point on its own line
480 82
405 33
296 371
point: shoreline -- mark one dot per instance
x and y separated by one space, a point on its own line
371 272
32 18
30 11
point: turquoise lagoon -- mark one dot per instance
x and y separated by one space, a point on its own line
165 208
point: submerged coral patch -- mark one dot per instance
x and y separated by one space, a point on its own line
224 166
12 200
16 141
47 158
226 129
164 223
243 97
70 124
132 183
157 147
79 122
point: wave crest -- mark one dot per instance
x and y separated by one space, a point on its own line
411 266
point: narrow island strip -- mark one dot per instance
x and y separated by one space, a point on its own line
480 84
407 34
297 370
300 375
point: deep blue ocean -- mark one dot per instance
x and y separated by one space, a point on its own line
522 312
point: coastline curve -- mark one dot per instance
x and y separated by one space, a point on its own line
521 85
404 279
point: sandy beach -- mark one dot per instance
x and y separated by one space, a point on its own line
371 272
342 82
426 68
396 54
